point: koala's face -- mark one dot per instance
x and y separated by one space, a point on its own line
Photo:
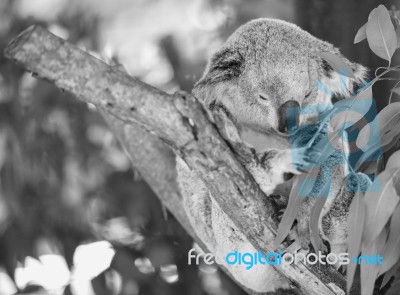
267 83
265 67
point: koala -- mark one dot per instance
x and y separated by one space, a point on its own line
264 74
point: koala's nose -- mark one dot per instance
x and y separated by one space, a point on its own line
288 113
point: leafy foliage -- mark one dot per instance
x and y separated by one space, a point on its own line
373 221
355 229
380 203
381 35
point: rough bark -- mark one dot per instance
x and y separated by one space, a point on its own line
151 124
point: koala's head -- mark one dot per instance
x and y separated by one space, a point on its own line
266 66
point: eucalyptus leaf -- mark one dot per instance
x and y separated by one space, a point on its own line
391 253
395 16
381 34
369 272
345 112
315 217
389 274
380 134
355 228
290 214
361 34
380 200
352 109
393 161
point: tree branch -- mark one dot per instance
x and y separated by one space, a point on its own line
178 121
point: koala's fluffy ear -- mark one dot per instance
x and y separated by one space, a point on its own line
224 65
339 84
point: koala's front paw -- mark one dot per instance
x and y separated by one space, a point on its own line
303 159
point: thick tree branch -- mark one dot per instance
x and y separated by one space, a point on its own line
144 150
179 121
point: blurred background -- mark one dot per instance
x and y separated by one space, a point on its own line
75 218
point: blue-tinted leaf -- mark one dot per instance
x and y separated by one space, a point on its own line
344 114
381 35
370 168
351 110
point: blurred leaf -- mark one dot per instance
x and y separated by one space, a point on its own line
124 263
99 285
381 200
355 227
361 34
160 252
337 64
391 253
369 272
381 35
33 289
87 262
